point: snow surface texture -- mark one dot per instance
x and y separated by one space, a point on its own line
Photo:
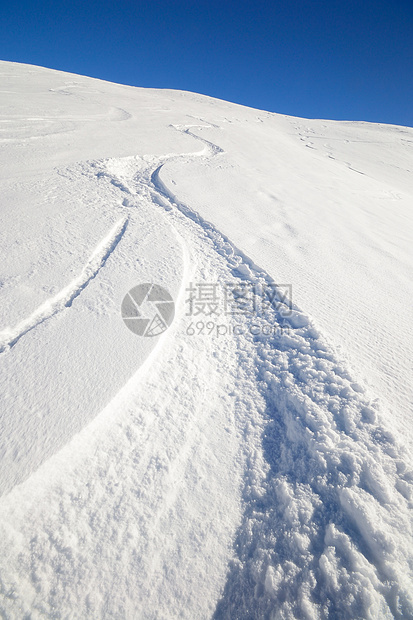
260 473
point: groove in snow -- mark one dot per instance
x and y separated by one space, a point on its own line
64 298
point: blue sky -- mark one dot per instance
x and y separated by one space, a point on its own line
334 59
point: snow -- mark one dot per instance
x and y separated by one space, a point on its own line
252 464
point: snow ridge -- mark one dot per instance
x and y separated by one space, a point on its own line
64 298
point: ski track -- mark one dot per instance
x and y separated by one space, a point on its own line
64 298
326 529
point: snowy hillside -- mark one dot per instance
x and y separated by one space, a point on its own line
250 458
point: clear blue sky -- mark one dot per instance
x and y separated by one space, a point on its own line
347 59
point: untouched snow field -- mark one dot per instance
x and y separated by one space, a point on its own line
254 459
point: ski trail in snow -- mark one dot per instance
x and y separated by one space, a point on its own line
64 298
213 148
329 490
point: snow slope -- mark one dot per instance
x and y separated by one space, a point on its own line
246 465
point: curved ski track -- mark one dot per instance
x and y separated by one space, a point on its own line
326 527
65 297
